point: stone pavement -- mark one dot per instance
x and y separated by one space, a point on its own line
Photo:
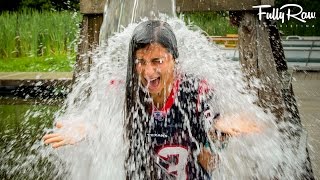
35 75
306 86
35 78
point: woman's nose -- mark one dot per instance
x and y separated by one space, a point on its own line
149 69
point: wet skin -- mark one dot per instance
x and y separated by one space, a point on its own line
156 69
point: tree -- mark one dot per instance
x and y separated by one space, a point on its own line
6 5
59 5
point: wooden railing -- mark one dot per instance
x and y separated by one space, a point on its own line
229 41
296 50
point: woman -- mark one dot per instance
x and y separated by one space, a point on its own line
163 108
167 114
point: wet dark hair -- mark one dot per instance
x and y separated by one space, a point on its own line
136 103
153 31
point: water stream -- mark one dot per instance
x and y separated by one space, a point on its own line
118 14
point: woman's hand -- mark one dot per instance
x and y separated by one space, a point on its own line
237 124
207 160
66 134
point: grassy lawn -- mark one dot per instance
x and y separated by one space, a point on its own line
215 24
58 63
38 41
46 41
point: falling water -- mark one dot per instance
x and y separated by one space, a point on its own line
101 155
118 14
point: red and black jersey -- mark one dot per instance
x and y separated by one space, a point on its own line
177 131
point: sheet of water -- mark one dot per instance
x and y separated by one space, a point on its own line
102 154
118 14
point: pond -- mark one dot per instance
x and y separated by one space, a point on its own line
22 125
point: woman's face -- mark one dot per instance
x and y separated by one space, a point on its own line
155 66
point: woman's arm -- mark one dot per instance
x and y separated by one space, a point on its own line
222 129
237 124
67 134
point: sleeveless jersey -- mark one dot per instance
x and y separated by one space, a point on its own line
178 130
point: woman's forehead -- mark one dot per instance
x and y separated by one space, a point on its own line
152 49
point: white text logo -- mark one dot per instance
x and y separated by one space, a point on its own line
284 12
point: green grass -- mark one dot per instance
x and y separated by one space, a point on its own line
59 63
29 37
46 41
217 24
214 23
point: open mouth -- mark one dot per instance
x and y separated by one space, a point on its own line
152 84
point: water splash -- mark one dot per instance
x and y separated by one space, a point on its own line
119 14
264 155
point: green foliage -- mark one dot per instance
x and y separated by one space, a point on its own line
58 5
308 5
38 35
213 23
40 5
60 63
310 28
36 4
217 23
295 27
13 5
